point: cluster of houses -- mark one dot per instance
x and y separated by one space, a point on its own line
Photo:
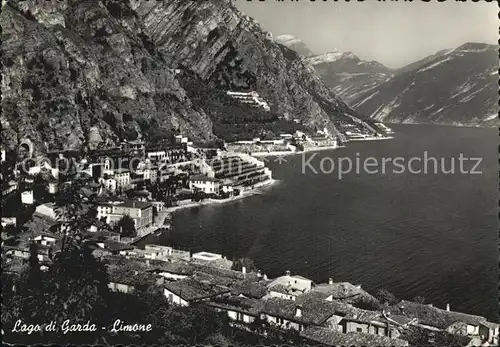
295 142
115 182
320 313
329 313
353 131
110 172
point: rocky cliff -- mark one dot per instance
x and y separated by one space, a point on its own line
457 87
111 66
70 66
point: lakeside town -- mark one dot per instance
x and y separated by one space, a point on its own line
117 196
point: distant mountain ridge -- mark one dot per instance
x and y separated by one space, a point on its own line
348 75
456 86
294 43
453 86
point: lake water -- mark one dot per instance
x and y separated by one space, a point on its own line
430 235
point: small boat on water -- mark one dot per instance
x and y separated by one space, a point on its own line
157 232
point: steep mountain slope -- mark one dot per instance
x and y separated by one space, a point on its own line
348 75
117 66
294 43
421 62
70 66
455 87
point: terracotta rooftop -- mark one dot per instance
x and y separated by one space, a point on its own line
433 316
238 304
178 268
125 275
249 288
329 337
314 311
189 289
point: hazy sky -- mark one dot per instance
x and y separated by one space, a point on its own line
393 33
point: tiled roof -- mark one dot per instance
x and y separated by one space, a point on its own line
237 275
238 304
341 290
115 201
178 268
403 320
433 316
189 289
40 223
280 288
217 280
249 289
124 275
314 312
329 337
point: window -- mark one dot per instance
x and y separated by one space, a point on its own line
359 330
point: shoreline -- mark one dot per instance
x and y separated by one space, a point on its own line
207 202
312 149
372 139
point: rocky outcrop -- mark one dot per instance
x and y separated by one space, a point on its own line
70 66
457 87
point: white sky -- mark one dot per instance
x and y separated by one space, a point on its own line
393 33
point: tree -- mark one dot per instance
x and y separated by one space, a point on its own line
246 262
198 195
126 226
386 297
205 322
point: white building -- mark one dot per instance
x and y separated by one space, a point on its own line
181 139
27 197
122 177
156 155
207 185
113 209
45 239
206 256
157 251
289 287
52 187
48 210
9 221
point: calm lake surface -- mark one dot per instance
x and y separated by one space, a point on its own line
431 235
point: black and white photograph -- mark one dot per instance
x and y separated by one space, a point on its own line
250 172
